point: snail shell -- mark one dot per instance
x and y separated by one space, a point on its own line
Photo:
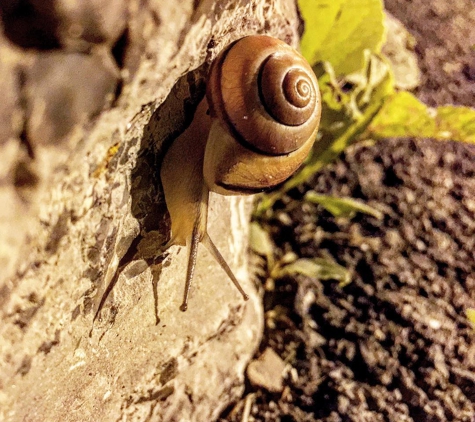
264 110
265 98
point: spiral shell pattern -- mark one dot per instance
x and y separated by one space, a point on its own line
266 93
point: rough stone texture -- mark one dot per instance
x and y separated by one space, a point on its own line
72 24
94 213
11 153
62 90
10 116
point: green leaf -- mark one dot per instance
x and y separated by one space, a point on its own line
345 99
456 123
470 313
339 31
342 207
349 103
341 127
321 268
261 243
403 115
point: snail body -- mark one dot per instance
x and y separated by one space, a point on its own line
250 133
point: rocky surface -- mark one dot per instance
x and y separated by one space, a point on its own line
83 206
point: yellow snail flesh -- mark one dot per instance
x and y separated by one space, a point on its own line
250 133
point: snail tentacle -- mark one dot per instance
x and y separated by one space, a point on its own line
192 243
209 244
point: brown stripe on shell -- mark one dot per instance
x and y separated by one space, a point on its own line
234 95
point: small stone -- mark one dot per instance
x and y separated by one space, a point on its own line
403 59
267 371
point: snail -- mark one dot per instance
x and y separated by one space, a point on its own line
252 131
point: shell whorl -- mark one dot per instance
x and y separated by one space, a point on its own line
266 94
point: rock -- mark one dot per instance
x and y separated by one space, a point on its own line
64 90
98 216
399 48
267 371
77 25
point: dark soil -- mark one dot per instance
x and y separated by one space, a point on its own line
445 36
395 344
